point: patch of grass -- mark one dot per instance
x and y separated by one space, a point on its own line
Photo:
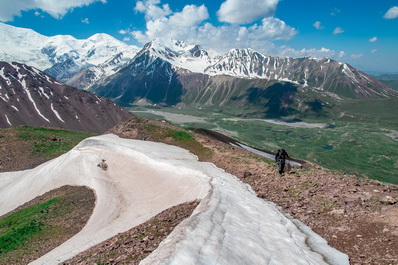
32 231
22 226
50 142
180 138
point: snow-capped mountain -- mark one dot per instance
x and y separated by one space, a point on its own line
30 97
175 73
86 77
60 56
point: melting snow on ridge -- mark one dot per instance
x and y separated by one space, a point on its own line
56 113
23 83
231 225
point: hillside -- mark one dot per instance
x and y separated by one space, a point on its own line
30 97
353 214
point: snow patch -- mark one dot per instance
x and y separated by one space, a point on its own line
8 121
43 92
31 99
56 113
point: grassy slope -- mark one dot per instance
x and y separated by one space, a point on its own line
50 142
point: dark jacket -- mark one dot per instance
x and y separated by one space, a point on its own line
281 155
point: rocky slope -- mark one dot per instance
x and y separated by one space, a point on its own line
30 97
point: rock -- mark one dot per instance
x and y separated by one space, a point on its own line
247 174
388 200
338 211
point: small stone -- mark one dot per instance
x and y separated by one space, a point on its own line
359 236
247 174
338 211
388 200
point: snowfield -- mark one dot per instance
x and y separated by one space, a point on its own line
231 225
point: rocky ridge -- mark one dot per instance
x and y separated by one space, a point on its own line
30 97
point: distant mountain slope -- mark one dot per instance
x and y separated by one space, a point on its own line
30 97
390 80
175 73
61 56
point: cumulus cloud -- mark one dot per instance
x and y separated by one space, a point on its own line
392 13
241 12
318 25
178 25
190 25
152 10
271 29
374 50
57 9
374 39
338 30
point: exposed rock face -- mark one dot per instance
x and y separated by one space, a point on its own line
30 97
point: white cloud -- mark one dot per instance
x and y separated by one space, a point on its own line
126 39
86 21
374 39
151 10
189 25
270 29
57 9
356 56
318 25
392 13
190 16
338 30
180 25
241 12
123 31
374 51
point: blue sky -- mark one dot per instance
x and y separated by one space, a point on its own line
362 33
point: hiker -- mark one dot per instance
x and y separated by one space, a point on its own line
280 159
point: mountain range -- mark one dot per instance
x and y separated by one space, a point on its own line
60 56
174 73
31 97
